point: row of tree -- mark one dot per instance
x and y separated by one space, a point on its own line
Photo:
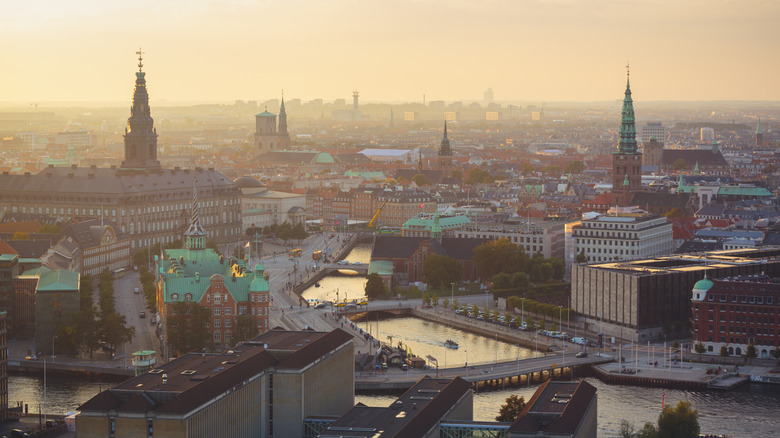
88 328
504 257
284 231
544 309
187 327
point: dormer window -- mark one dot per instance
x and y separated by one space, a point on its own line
175 297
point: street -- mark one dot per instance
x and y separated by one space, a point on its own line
131 305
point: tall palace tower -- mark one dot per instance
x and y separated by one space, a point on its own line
140 134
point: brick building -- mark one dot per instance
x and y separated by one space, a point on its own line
735 312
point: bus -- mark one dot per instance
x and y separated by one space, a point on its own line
316 255
296 252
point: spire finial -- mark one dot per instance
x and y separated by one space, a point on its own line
628 68
140 54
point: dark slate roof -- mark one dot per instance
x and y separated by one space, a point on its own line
352 158
434 176
772 237
33 249
110 181
423 406
389 247
666 200
692 156
698 246
713 209
559 419
88 234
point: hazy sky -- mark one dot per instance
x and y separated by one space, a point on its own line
390 50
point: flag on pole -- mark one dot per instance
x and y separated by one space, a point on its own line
663 399
247 245
421 205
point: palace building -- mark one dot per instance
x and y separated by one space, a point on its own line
147 202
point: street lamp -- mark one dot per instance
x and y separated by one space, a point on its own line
52 347
452 299
522 309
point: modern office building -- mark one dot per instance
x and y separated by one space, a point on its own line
734 312
654 129
636 299
262 388
545 237
623 236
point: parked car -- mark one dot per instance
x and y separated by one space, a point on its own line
31 357
320 306
342 262
136 291
142 314
581 354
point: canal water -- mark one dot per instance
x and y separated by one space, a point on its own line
750 410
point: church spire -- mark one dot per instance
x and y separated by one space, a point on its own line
140 135
627 143
436 228
195 235
282 119
445 150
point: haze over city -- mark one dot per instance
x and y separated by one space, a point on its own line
556 50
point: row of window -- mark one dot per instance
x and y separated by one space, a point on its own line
740 298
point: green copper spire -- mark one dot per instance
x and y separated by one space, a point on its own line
696 169
758 128
627 143
436 228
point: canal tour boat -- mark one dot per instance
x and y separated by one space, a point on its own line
451 344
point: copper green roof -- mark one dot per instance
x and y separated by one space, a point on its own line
8 257
265 114
743 191
703 284
189 271
37 271
58 281
380 267
445 223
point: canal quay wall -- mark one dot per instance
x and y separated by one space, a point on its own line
66 367
506 334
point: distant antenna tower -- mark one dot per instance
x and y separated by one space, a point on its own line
355 95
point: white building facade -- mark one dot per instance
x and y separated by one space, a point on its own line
608 238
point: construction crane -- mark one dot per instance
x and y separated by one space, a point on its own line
376 215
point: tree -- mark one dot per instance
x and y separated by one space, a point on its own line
498 256
751 352
680 164
20 236
114 330
458 175
520 280
674 212
679 422
49 229
441 271
501 281
511 409
546 270
775 353
647 431
769 169
700 349
421 180
574 167
434 299
298 232
477 175
581 257
530 321
375 287
724 351
186 327
246 328
446 303
558 268
626 429
536 273
455 303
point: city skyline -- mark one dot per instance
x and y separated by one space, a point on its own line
208 51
